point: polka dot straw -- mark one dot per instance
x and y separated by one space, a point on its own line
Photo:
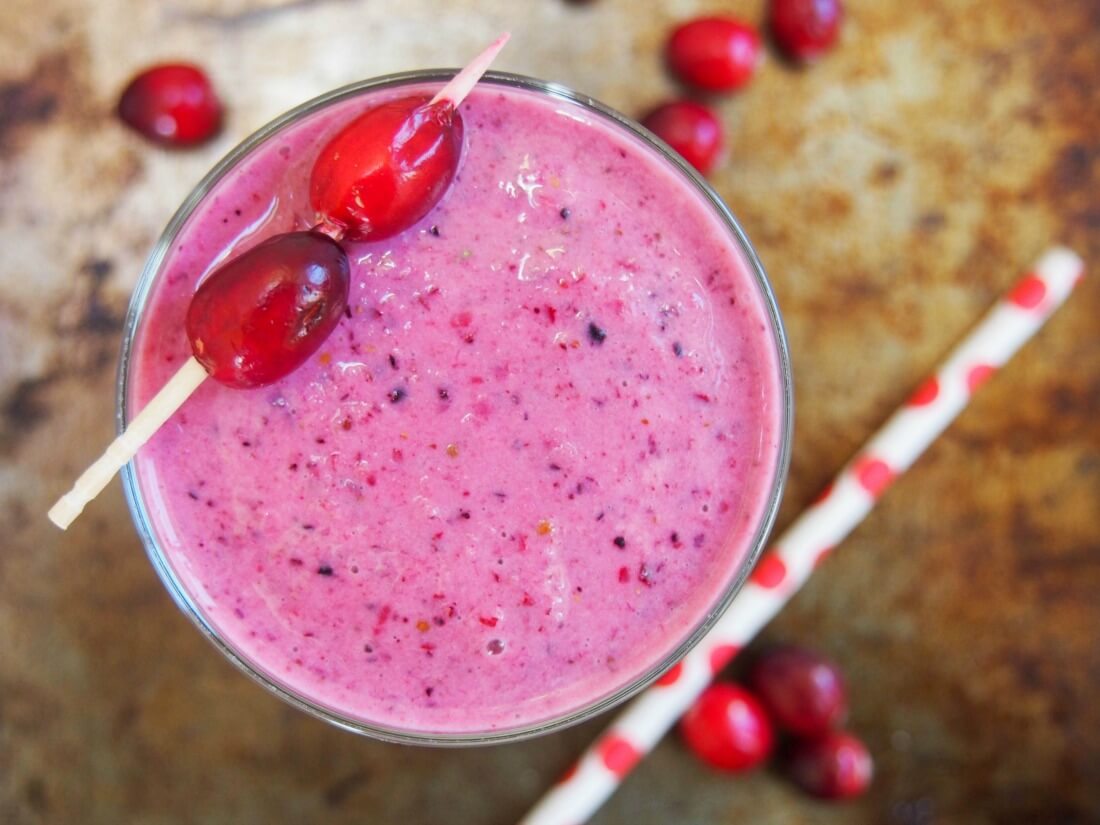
788 563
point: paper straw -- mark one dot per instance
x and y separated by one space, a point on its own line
788 563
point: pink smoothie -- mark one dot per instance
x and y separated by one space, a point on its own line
523 469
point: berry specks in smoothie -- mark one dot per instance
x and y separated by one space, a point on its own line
554 479
325 570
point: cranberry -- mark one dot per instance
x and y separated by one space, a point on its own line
803 692
836 766
714 53
728 728
691 129
386 169
805 29
173 104
259 316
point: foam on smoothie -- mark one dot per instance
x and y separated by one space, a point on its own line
522 469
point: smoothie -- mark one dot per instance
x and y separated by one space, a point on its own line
523 470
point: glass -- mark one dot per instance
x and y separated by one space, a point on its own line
143 522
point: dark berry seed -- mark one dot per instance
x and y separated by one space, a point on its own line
434 230
396 395
620 542
324 570
347 312
677 350
596 333
565 213
393 361
443 394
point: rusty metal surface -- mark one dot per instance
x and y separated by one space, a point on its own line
893 191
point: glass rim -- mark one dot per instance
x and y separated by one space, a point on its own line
180 594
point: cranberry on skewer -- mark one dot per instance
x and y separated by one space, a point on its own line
259 316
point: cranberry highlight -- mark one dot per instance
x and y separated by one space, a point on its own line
258 317
803 692
718 54
691 129
837 766
805 29
728 728
173 104
387 169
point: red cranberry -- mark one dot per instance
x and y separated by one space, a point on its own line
715 53
691 129
805 29
836 766
262 314
803 692
173 104
728 729
386 169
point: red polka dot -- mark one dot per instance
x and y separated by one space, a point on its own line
618 755
824 494
873 475
925 394
721 656
570 772
1028 292
822 554
670 676
978 375
770 572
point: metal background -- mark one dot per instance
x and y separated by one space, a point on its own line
892 191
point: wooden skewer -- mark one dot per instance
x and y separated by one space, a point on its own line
188 377
178 389
460 85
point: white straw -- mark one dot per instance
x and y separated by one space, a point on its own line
786 566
